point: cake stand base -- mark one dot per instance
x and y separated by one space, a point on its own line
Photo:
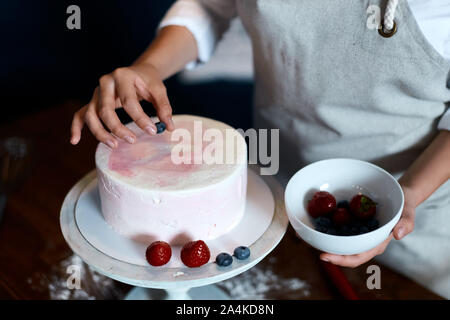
210 292
174 282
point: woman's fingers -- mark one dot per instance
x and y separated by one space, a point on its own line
77 125
95 125
406 223
162 105
126 91
107 113
88 115
352 261
97 129
157 95
122 88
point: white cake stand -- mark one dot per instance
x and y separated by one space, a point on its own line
175 280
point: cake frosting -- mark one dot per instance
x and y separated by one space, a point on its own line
175 186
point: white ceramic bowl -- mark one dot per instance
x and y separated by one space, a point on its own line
344 178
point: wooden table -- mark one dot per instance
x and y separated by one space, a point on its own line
34 256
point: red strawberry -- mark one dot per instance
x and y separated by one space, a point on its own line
362 207
322 203
195 254
341 217
158 253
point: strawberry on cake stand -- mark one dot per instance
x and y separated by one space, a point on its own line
261 228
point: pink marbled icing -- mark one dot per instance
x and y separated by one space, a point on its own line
151 156
141 198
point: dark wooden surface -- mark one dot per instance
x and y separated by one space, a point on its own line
34 256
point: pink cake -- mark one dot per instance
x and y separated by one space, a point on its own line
147 195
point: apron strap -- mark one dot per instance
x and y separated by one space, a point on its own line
388 26
389 15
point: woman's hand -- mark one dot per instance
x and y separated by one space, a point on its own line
423 177
169 52
124 87
404 226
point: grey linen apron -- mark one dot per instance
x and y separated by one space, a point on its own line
336 88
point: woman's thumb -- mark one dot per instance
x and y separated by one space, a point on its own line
405 225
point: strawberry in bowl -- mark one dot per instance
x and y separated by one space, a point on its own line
347 219
341 217
362 207
321 204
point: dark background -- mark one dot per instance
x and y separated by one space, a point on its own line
44 64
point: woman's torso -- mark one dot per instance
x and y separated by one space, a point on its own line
336 88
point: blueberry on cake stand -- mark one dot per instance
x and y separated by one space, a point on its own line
261 229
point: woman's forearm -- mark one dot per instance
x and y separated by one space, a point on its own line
430 170
170 51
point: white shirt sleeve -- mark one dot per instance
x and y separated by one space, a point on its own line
444 123
433 18
207 20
